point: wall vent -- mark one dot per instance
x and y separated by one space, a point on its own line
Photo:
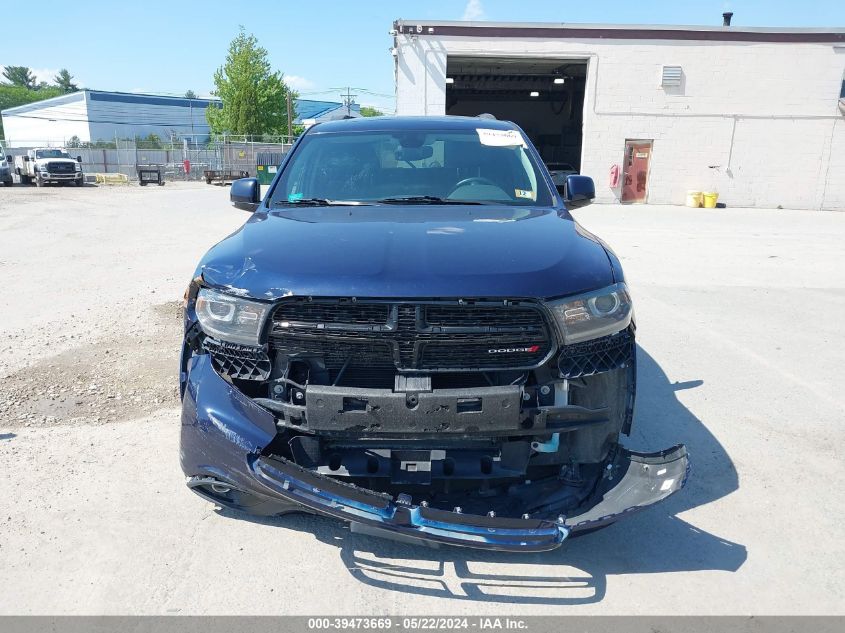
671 76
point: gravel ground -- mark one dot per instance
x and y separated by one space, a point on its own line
739 327
94 278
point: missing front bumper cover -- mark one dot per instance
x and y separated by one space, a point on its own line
479 411
637 480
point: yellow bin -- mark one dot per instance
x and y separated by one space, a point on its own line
694 199
710 198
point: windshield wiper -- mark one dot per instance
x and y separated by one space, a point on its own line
319 202
425 200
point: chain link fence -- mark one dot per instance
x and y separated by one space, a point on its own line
178 159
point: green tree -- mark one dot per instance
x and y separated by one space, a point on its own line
73 141
252 95
190 94
370 111
64 81
20 76
151 141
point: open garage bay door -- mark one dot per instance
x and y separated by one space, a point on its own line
545 97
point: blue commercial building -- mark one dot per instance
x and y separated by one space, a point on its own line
97 115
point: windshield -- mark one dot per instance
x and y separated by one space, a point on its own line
50 153
424 167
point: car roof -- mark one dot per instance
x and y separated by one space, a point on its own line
410 123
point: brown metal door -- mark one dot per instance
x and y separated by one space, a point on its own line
635 173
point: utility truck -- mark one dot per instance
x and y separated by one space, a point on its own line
49 164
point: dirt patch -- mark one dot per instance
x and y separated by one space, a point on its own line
115 378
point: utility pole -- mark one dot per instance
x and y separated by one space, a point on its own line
290 121
191 105
348 100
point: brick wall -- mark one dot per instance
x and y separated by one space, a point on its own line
757 122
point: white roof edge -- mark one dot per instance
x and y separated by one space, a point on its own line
78 95
624 27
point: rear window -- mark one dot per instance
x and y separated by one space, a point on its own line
483 165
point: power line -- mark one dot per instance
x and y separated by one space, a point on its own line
112 122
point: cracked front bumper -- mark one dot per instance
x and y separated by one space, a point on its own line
224 433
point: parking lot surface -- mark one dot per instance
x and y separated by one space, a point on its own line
740 329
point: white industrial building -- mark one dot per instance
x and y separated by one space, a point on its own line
650 112
97 115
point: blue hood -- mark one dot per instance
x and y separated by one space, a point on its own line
408 251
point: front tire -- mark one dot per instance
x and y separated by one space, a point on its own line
39 182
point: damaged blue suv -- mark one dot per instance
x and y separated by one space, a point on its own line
411 334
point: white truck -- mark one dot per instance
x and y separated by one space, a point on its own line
49 164
5 167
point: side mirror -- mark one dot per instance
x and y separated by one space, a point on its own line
579 191
79 159
245 194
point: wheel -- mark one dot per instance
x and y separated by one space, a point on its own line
39 182
80 181
142 183
161 184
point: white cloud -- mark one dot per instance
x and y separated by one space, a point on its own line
473 10
299 83
45 74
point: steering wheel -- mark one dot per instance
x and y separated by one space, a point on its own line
480 180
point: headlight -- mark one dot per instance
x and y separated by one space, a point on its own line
77 167
593 314
230 318
42 167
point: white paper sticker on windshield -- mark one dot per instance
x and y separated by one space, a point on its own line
500 138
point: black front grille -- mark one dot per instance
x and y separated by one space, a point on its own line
384 336
332 313
61 168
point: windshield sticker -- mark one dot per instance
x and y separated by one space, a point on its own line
500 138
522 193
295 196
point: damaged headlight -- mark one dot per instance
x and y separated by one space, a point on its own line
230 318
593 314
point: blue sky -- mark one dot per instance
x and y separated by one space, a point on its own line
169 47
